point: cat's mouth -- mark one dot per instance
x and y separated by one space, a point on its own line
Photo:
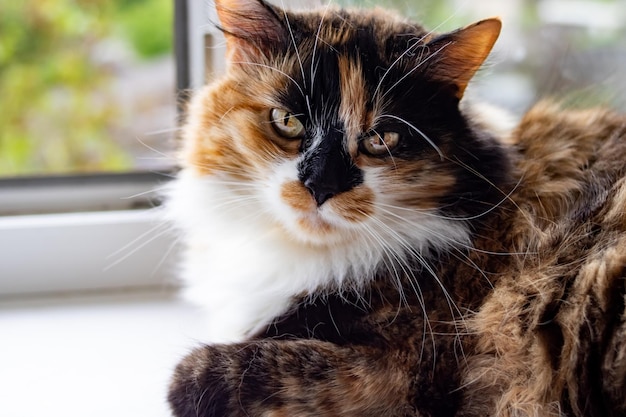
334 219
315 224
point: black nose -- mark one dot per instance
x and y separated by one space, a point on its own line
329 170
321 191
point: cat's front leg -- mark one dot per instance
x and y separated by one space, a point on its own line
289 378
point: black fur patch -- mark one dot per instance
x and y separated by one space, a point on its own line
422 110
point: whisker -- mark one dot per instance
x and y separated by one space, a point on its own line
393 160
162 131
152 191
165 230
422 134
507 196
418 225
166 254
405 245
402 221
295 45
409 50
395 62
138 239
317 39
418 66
410 278
153 149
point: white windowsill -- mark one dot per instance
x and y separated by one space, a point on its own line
97 356
87 251
90 322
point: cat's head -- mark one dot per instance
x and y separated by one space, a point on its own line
339 125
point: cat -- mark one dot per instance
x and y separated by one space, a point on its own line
367 243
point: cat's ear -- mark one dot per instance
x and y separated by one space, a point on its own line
456 56
253 28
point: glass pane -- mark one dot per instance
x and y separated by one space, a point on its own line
87 86
570 50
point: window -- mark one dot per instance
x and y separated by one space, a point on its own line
90 84
87 133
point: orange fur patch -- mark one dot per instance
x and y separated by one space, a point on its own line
297 197
352 109
355 205
225 133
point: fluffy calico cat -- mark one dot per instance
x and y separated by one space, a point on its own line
367 247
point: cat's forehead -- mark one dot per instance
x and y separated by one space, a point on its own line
356 31
342 65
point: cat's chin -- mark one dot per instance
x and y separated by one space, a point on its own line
313 230
333 223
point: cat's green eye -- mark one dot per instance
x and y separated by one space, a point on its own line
378 144
286 124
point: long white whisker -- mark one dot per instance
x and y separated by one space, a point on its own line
166 254
408 51
406 268
402 221
162 131
293 41
422 134
153 149
418 256
151 191
138 247
317 39
394 63
139 238
467 260
507 196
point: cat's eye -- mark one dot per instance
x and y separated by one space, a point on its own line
286 124
378 144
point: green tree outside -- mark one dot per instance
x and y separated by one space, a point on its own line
56 114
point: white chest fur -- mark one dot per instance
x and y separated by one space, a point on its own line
239 265
244 269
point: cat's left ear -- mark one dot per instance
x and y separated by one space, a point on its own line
253 28
456 56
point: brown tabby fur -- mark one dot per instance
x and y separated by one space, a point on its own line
537 326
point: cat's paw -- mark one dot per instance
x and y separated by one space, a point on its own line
199 387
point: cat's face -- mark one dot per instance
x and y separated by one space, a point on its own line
337 126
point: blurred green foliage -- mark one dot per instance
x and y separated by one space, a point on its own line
433 14
147 24
56 113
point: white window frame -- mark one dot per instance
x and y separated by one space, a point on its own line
82 233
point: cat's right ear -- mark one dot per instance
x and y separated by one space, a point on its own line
253 29
456 56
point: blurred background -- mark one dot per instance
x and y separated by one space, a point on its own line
570 50
85 85
88 85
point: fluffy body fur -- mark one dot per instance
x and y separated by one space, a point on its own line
376 251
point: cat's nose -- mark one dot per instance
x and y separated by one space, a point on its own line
328 169
320 190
